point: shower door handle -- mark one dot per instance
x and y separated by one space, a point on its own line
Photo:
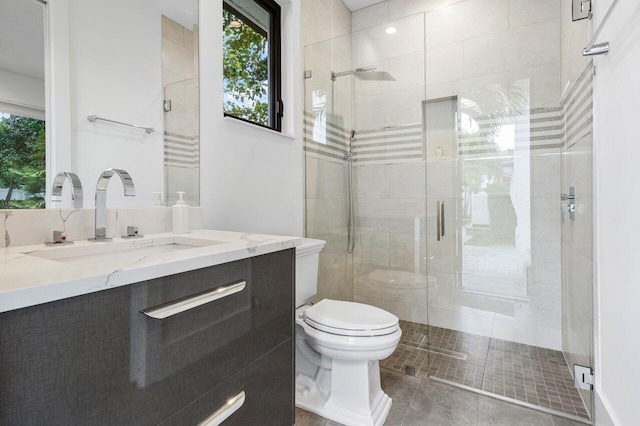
440 220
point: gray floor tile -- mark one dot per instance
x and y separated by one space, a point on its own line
560 421
439 404
398 386
500 413
305 418
396 415
526 373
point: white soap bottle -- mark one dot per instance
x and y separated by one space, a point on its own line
180 216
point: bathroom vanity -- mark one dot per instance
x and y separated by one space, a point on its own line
145 335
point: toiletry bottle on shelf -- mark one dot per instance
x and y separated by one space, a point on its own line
159 202
180 216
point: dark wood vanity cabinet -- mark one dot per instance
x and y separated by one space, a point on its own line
97 359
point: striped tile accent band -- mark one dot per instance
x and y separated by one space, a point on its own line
578 109
181 151
540 129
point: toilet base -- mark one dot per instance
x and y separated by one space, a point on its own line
364 404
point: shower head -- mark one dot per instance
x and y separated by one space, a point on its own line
368 74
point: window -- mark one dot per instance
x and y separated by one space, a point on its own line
22 162
251 62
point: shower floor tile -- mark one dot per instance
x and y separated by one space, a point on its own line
522 372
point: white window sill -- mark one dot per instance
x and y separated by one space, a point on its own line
259 128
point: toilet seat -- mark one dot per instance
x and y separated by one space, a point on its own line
350 319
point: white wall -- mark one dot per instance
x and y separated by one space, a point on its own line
21 90
116 63
616 153
251 178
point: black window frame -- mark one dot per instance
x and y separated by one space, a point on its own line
275 106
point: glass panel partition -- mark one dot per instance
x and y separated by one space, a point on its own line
388 166
327 130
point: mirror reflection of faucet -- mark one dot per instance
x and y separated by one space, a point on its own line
101 199
76 188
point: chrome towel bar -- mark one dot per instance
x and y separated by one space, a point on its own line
173 308
93 118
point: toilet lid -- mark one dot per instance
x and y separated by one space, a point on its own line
350 318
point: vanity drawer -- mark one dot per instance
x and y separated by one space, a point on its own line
263 392
227 333
97 360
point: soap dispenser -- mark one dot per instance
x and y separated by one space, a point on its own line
180 216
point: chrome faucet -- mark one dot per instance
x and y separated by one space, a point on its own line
101 199
76 187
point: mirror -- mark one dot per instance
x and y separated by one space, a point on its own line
22 104
129 62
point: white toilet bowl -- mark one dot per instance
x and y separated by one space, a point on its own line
338 346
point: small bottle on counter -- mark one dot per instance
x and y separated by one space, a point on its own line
180 216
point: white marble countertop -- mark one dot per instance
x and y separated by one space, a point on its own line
28 278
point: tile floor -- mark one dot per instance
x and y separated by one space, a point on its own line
424 402
526 373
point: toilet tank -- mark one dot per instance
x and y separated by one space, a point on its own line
307 258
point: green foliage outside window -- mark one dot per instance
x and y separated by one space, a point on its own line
22 160
246 71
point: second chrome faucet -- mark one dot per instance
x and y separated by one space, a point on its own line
101 199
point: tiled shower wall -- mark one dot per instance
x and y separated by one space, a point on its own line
181 126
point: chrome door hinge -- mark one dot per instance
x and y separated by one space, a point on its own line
583 377
308 74
581 10
166 105
570 206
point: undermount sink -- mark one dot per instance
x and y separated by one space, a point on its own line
115 251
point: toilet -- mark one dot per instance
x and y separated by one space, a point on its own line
338 348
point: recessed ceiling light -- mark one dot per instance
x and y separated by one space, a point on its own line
391 30
235 24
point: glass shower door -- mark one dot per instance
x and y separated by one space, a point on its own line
494 246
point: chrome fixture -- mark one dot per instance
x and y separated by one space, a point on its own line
348 157
59 239
440 221
132 232
76 187
94 118
223 413
570 206
101 199
584 377
600 48
581 10
173 308
367 73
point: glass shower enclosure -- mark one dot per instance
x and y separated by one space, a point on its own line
437 188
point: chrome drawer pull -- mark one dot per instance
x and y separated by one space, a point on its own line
165 311
225 411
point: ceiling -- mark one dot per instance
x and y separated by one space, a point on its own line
354 5
22 37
